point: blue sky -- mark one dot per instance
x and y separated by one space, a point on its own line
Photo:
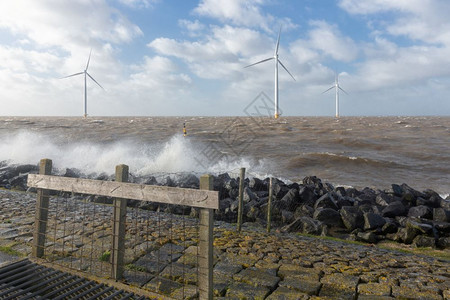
166 58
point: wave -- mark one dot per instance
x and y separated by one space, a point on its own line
329 159
176 155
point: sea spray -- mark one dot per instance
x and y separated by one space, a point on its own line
175 155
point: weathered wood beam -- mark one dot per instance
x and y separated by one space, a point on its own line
142 192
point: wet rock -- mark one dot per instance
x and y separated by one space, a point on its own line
420 211
307 195
291 200
304 224
441 215
188 181
249 195
367 237
424 241
383 199
257 184
326 201
352 217
373 221
394 209
328 216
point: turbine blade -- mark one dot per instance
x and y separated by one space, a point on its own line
264 60
342 90
286 69
329 89
94 80
278 42
72 75
87 65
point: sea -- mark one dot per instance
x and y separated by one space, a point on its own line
355 152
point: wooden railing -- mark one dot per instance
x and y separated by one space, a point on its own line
205 198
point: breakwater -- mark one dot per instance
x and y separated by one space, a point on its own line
401 213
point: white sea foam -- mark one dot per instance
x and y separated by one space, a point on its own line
176 155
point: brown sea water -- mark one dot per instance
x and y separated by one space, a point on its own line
350 151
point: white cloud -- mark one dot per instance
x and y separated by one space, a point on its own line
65 24
332 42
139 3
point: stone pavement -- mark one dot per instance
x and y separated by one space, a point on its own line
256 265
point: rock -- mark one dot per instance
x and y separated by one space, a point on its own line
443 242
352 217
326 201
150 181
441 215
305 225
383 199
257 184
389 227
304 210
445 204
373 221
307 195
405 235
367 237
279 188
287 217
419 227
167 181
424 241
420 211
328 216
188 181
19 182
249 195
394 209
72 172
396 190
291 200
314 182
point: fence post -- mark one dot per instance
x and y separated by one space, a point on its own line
241 199
269 204
205 260
118 230
41 216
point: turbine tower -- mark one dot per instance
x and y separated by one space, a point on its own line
277 61
337 87
85 72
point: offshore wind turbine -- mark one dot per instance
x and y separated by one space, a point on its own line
277 61
86 74
337 87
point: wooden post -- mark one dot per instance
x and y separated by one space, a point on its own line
241 199
269 204
118 230
205 260
41 216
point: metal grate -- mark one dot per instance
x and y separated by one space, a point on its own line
27 280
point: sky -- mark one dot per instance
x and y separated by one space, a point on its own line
187 58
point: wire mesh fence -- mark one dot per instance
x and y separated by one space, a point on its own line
161 245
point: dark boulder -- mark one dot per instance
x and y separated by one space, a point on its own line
305 225
445 203
352 217
188 181
248 195
72 172
441 215
326 201
287 217
307 195
328 217
420 211
373 221
389 227
19 182
383 199
304 210
443 242
257 184
279 188
150 180
291 200
405 235
367 237
418 226
394 209
424 241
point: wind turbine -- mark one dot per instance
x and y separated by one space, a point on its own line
277 60
85 72
337 87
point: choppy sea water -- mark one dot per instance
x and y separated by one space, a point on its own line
350 151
